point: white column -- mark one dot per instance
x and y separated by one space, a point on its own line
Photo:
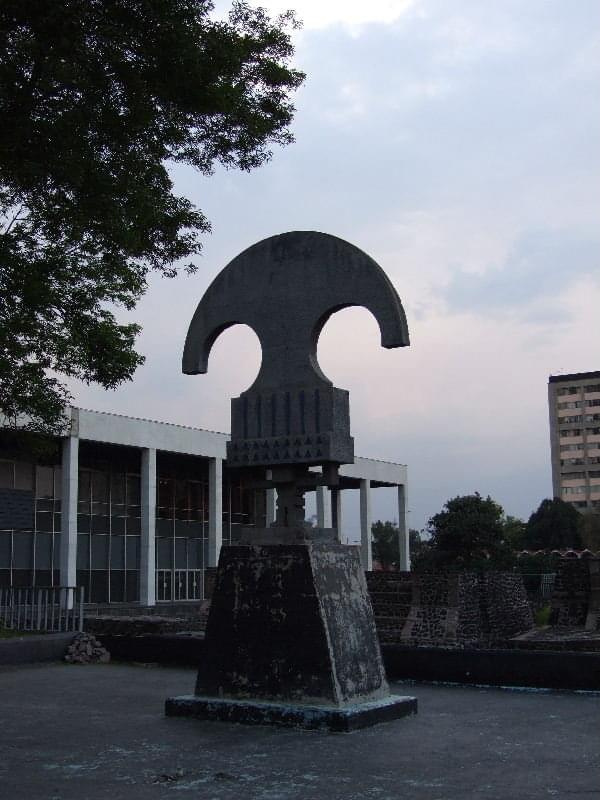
271 500
271 506
323 507
215 510
403 530
148 538
366 551
68 532
336 512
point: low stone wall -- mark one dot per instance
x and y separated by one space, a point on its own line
143 625
444 609
391 597
575 600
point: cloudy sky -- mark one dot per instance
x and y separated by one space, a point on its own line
457 143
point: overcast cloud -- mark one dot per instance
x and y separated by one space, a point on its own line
458 144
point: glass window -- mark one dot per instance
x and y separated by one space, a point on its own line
132 552
117 586
22 550
83 523
133 490
180 553
43 551
117 489
165 490
164 553
164 528
5 549
57 482
100 493
194 553
185 528
44 482
99 587
44 521
132 585
100 524
83 551
117 526
134 526
100 483
56 556
85 490
100 552
117 552
7 475
24 476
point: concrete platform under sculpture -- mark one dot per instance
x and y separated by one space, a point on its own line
291 640
255 712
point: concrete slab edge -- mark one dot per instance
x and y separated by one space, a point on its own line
257 712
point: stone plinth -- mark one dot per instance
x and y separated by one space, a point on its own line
291 640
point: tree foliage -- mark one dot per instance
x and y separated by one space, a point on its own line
467 533
386 545
97 99
589 529
513 532
555 525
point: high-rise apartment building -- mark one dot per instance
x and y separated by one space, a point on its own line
574 405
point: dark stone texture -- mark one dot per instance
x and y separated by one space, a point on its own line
332 718
576 596
16 509
286 288
449 609
292 623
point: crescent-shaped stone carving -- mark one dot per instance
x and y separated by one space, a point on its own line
285 288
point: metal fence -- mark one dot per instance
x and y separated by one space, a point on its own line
53 608
539 584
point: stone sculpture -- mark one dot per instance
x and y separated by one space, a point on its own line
290 636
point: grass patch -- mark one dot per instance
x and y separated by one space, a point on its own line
542 616
11 633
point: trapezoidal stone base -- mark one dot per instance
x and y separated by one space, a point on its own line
291 640
309 717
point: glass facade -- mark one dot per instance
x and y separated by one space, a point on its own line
181 526
31 557
109 523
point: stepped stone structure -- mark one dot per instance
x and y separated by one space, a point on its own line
449 609
576 597
291 637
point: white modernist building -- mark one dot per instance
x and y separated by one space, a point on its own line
135 510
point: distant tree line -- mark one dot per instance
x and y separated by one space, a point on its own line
473 532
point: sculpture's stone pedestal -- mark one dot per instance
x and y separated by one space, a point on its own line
291 640
310 717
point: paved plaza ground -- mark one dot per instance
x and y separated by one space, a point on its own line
90 732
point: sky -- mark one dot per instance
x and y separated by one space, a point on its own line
457 143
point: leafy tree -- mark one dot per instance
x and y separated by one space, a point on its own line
468 534
589 528
97 99
418 544
386 547
555 525
513 532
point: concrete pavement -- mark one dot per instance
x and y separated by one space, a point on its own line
92 732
